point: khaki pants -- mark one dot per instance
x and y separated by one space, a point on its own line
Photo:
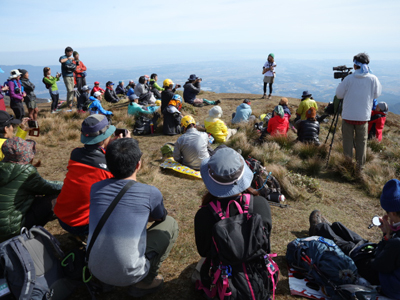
69 84
359 141
161 237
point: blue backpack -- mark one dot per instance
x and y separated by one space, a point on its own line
322 262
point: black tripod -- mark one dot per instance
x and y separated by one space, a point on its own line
334 121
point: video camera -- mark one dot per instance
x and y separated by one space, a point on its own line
344 71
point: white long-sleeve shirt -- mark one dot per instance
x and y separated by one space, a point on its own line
358 92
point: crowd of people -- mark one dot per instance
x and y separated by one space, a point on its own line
108 162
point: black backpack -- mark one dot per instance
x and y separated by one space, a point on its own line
239 266
266 184
142 126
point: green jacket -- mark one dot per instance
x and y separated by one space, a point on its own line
19 184
154 84
52 81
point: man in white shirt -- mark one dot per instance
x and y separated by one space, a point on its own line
269 74
358 91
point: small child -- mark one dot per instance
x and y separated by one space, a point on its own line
377 122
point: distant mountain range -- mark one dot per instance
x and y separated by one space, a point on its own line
293 77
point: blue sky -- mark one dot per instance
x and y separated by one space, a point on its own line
137 33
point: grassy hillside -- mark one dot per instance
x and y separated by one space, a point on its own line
338 191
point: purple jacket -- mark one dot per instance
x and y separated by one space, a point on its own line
15 97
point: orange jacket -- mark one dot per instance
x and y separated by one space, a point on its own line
79 69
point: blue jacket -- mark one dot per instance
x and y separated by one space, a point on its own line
131 91
243 112
96 108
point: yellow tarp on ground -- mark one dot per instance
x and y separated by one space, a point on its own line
170 163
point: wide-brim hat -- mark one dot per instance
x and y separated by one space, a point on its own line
19 151
95 129
193 77
14 74
306 94
226 173
7 119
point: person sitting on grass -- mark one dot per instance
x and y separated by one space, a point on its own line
191 89
284 103
168 93
154 87
173 116
192 147
308 130
383 268
131 85
120 89
86 166
110 95
26 198
278 125
95 107
377 122
216 127
7 125
97 88
306 103
243 113
83 98
135 109
126 253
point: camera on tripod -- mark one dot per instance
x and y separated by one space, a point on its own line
344 71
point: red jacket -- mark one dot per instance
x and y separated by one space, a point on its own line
79 70
378 118
86 166
278 125
95 89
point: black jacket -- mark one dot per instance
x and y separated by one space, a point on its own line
172 122
308 131
111 96
29 88
120 90
190 91
166 96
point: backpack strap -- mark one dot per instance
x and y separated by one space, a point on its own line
272 268
217 209
237 205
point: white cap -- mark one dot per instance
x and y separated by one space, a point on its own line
97 94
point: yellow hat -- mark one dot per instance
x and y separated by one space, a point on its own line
167 82
158 103
187 120
262 117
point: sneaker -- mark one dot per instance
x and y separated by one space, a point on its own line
264 96
269 96
217 102
141 289
316 218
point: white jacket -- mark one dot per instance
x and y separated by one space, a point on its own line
358 92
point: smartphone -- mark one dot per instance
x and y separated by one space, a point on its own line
33 124
118 131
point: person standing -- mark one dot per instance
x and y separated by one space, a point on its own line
17 94
67 71
2 89
358 90
79 73
30 98
51 84
269 75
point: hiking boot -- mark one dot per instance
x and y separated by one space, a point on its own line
140 289
316 218
264 96
269 96
217 102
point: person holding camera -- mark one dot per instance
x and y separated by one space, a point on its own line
30 98
67 71
79 73
191 89
269 75
168 93
358 90
383 266
51 84
17 93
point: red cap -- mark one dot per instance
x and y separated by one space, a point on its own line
96 82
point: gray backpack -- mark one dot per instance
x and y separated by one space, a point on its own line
30 267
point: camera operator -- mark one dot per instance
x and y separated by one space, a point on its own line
67 71
191 89
357 91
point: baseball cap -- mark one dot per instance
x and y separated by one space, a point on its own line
7 119
96 82
109 83
97 94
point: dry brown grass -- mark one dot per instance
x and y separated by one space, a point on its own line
337 191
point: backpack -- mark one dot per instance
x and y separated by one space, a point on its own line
265 184
47 85
31 265
86 104
322 262
239 265
142 126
